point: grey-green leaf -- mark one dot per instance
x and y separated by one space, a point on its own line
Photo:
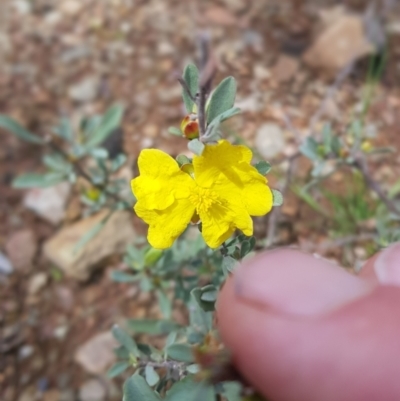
263 167
33 180
277 198
152 326
151 375
126 340
121 277
191 77
184 390
181 352
196 147
117 369
137 389
165 304
222 99
229 264
310 148
232 391
108 123
19 131
175 131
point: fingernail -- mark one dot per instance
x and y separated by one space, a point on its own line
387 265
295 283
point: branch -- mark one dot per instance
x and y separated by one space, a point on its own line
276 212
361 164
80 171
207 72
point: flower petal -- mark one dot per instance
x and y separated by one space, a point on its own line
161 181
224 165
165 226
222 157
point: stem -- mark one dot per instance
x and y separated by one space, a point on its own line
80 171
361 164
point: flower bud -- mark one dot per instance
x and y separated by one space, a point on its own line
190 126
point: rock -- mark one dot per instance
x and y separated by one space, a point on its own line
269 140
78 262
235 5
5 265
96 355
25 352
220 16
85 90
285 68
37 283
261 73
49 203
92 390
71 7
342 42
21 249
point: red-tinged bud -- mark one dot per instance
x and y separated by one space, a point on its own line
190 127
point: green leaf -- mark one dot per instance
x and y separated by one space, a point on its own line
118 162
56 162
33 180
196 147
108 123
152 326
228 114
222 99
19 131
182 160
245 249
191 77
126 340
184 390
277 198
309 148
117 369
175 131
229 264
327 138
209 293
65 130
181 352
165 304
152 256
137 389
193 368
121 277
232 391
151 375
263 167
99 153
206 306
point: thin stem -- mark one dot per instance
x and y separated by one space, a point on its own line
361 164
80 171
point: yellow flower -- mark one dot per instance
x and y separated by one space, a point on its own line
224 192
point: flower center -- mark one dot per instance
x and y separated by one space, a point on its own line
203 199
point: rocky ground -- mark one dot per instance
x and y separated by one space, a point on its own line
76 57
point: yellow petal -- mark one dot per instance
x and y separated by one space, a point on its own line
165 226
225 165
161 181
222 157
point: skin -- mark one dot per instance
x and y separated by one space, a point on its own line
303 329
